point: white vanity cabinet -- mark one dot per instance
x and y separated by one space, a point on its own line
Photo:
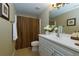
51 48
46 49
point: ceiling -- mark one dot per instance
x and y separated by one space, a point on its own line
35 9
32 9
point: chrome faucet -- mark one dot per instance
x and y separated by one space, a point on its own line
58 34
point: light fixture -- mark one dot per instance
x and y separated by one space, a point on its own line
58 5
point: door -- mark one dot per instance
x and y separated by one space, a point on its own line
28 30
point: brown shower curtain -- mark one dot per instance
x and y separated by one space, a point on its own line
28 30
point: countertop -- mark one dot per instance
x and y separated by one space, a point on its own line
63 39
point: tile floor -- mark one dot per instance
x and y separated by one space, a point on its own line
26 52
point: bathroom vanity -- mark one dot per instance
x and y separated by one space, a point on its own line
51 45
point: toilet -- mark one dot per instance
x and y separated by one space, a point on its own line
35 45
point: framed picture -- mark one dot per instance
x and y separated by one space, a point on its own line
4 10
71 22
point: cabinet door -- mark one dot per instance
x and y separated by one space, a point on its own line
45 51
44 48
42 51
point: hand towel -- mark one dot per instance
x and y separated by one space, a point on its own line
15 29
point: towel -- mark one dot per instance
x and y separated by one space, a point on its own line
15 29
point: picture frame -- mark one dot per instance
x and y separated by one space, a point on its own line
71 22
4 11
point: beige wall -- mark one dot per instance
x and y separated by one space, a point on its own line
62 20
6 47
44 20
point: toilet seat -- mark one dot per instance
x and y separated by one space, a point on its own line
34 43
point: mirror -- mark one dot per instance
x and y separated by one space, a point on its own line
60 15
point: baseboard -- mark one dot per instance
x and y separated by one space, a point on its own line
13 53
